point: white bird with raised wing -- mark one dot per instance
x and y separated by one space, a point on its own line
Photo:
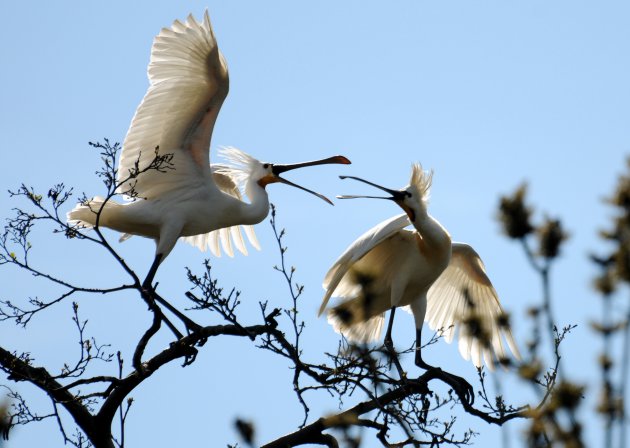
442 282
186 197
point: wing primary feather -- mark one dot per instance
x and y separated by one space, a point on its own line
188 76
357 250
463 298
235 231
226 242
213 243
251 236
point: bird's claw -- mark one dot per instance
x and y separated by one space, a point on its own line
190 356
192 326
462 388
392 354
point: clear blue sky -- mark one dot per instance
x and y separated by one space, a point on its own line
487 94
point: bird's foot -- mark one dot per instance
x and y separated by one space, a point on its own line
139 366
192 326
190 356
393 358
462 388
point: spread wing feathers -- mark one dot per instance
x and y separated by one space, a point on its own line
357 250
360 331
226 236
464 297
367 288
188 83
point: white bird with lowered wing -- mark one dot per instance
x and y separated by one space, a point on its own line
442 282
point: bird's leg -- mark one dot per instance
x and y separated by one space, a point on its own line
191 325
148 287
462 388
149 297
170 325
152 297
147 283
389 345
419 361
149 294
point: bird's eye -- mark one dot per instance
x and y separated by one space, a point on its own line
408 195
266 165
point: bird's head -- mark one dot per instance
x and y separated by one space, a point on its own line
412 199
264 173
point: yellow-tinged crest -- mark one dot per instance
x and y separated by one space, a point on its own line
420 181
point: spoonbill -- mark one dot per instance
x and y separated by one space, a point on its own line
442 282
189 198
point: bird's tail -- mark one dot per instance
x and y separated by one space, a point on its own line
356 321
85 214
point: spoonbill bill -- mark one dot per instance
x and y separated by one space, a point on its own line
442 282
188 198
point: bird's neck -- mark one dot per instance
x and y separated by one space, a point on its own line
433 235
258 207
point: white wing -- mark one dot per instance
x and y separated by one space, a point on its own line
464 296
367 285
224 237
188 83
357 250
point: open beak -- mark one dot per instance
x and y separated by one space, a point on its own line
279 169
396 195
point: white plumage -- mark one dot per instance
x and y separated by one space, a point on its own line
188 83
440 282
228 182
